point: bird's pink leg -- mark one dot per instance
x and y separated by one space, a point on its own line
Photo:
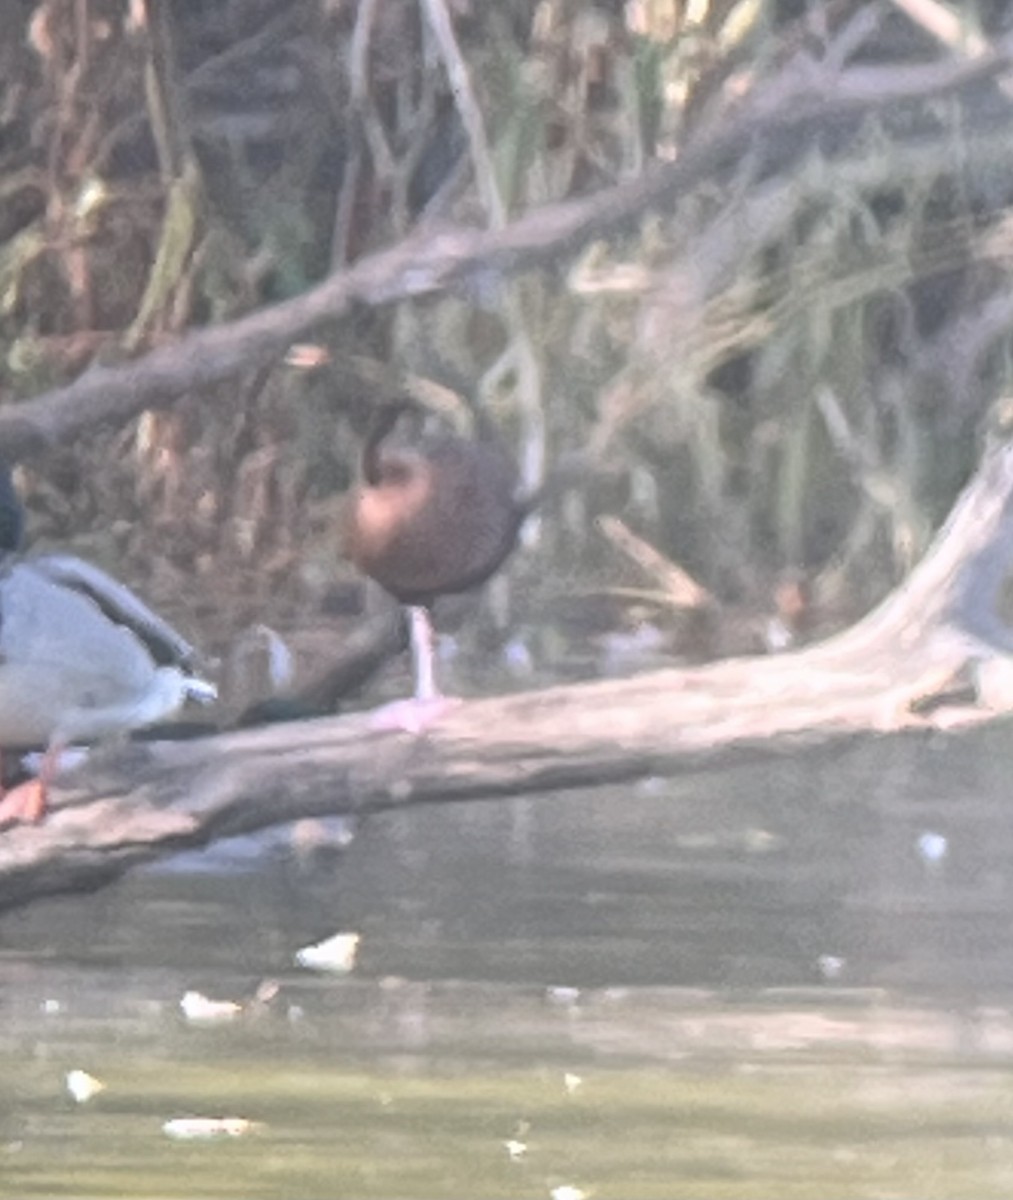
428 704
423 638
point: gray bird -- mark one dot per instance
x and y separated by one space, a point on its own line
81 658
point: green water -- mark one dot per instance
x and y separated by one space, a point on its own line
763 990
438 1129
709 1099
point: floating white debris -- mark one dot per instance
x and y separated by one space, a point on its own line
760 841
185 1129
933 848
831 966
565 997
335 954
50 1007
201 1009
515 1149
572 1083
83 1086
567 1191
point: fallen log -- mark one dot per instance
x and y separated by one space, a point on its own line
927 662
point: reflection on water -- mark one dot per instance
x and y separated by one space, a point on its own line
788 982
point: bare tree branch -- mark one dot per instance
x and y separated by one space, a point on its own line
434 258
910 666
892 672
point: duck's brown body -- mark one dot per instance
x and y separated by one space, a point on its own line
435 518
431 519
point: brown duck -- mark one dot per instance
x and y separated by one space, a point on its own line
431 517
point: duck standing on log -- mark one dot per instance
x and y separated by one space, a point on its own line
431 518
81 658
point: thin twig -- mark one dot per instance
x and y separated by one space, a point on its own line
679 586
468 107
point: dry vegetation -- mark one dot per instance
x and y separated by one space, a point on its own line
785 372
749 257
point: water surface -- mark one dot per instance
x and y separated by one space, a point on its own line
793 981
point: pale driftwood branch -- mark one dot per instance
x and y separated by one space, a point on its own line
880 676
436 258
894 671
677 584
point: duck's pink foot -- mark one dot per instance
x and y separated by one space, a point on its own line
412 716
24 804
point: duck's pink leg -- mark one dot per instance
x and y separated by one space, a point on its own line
428 704
423 638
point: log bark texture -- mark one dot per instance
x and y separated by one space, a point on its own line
928 659
919 662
